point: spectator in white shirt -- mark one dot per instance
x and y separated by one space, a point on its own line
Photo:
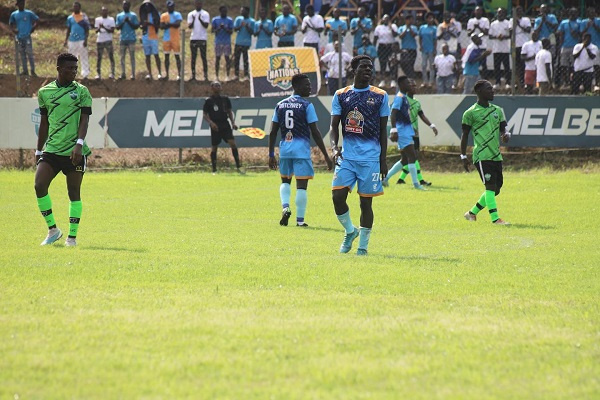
528 53
198 21
500 40
543 67
105 26
444 65
522 31
385 37
586 55
312 26
332 61
480 24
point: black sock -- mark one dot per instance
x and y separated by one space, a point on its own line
213 160
236 156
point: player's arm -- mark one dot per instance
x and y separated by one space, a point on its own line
335 138
316 134
383 169
42 134
204 24
176 24
231 117
394 130
206 117
504 134
466 129
426 120
272 139
77 152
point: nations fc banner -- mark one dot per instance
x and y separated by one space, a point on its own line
271 70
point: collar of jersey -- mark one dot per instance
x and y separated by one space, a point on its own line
361 90
59 85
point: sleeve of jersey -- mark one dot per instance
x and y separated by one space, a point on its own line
502 117
336 108
466 118
311 115
397 102
42 104
384 110
86 102
275 116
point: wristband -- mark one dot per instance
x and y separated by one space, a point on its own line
39 152
463 156
80 142
271 154
394 130
432 126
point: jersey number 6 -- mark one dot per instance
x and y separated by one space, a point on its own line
289 119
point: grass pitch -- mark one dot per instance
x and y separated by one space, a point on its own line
185 286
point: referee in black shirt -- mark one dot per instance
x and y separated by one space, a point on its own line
217 111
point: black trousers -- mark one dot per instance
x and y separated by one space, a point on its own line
520 67
196 45
504 60
237 52
407 62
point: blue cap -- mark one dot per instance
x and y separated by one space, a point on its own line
170 3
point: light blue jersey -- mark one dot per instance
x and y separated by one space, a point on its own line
127 32
403 115
244 37
545 30
264 28
294 116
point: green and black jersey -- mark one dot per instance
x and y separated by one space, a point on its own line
414 110
64 105
485 128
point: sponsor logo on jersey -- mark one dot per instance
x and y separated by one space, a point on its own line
354 121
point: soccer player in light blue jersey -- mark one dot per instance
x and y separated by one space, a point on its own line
363 111
296 118
403 132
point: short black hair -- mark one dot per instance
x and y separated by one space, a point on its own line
298 78
401 79
222 7
63 57
309 6
586 34
428 14
479 84
357 59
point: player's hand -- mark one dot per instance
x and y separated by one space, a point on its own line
329 163
76 155
383 168
505 137
466 165
272 163
234 126
336 155
394 135
435 131
214 127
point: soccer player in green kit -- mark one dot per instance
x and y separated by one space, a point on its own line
65 107
487 123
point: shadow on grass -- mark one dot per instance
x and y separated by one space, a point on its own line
424 258
533 226
319 228
109 248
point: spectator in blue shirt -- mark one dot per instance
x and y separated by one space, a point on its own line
591 25
360 26
568 37
407 34
427 45
78 30
333 25
471 61
127 22
244 26
367 48
546 23
23 22
263 30
286 26
222 27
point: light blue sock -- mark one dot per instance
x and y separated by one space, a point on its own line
394 170
284 193
363 238
413 174
301 200
346 222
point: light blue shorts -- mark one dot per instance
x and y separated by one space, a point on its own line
150 46
366 173
405 137
302 168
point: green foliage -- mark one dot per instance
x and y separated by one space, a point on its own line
185 286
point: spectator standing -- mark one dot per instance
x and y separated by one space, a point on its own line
471 60
286 26
312 26
522 34
500 40
528 52
263 30
244 26
394 62
23 22
543 68
198 21
105 26
359 26
325 7
586 55
170 22
384 39
332 61
150 23
480 24
127 22
448 32
444 65
389 7
427 46
407 34
78 30
568 37
333 25
367 48
591 25
546 23
222 27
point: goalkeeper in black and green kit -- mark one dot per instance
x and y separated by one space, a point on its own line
487 123
65 108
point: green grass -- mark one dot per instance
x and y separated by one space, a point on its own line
185 286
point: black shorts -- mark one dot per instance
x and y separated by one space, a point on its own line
224 133
491 174
417 142
63 163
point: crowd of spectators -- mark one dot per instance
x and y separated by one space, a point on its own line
551 52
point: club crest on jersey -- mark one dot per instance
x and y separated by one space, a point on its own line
289 136
73 95
282 66
495 115
371 101
354 121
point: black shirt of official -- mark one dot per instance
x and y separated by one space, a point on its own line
218 108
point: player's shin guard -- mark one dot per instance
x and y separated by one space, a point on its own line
75 208
394 170
480 205
363 238
285 192
45 206
413 174
490 199
301 201
346 222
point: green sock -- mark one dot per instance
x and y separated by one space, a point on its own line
480 205
490 199
45 206
404 172
75 208
419 176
